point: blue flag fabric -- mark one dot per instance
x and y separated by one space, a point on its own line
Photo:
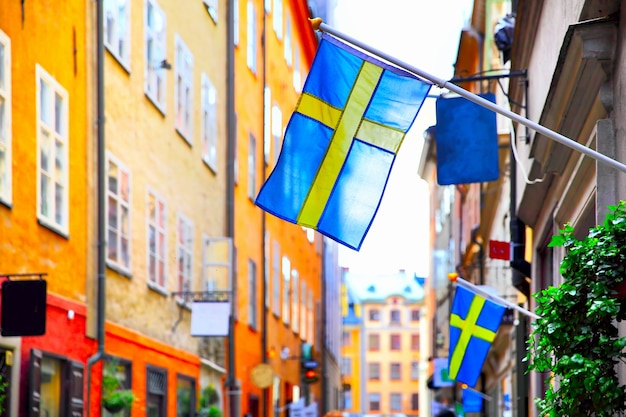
472 401
341 142
467 141
474 322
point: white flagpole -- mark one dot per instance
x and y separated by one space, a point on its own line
441 83
495 298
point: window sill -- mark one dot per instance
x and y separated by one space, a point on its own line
52 228
123 272
183 304
184 136
157 289
211 167
158 106
6 204
118 59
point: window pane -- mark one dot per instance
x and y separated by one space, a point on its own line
185 398
51 380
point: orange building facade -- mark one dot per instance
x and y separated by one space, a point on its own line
43 203
279 265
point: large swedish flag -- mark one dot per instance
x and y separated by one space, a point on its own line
341 142
474 322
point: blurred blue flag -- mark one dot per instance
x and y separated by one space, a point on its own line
467 141
341 142
474 322
472 401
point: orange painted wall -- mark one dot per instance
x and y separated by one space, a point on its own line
25 245
305 257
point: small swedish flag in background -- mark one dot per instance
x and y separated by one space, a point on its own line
474 322
341 142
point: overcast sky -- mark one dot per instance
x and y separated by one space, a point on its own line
424 34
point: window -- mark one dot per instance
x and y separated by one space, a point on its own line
120 369
373 342
415 314
251 37
5 118
155 54
252 294
252 167
209 123
303 292
287 43
373 371
295 293
183 100
56 386
395 342
156 389
157 224
297 76
236 22
118 214
373 400
346 366
415 341
415 402
277 130
286 287
211 7
346 339
184 251
53 144
267 123
278 18
395 372
276 276
185 396
395 401
394 317
117 29
374 314
268 6
415 370
217 258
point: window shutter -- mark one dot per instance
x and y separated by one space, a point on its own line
76 388
34 397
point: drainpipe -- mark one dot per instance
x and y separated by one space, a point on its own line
265 309
232 387
101 190
324 381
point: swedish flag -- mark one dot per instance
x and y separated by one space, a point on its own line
474 322
341 142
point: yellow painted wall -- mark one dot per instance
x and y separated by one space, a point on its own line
145 140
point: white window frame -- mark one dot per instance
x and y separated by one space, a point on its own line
54 218
297 75
116 28
155 47
217 263
267 123
183 100
184 250
295 295
276 278
120 261
211 7
278 18
236 22
268 6
252 167
277 130
252 294
251 46
158 223
395 401
6 191
286 273
287 46
209 122
303 309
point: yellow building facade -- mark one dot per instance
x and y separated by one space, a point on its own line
389 343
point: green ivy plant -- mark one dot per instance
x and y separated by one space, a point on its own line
576 338
114 397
